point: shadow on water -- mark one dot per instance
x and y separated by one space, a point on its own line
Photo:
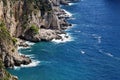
114 7
113 2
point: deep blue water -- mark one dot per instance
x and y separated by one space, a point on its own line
92 55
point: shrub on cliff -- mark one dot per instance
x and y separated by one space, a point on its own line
14 40
35 29
4 33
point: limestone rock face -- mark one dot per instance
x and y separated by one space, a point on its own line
9 56
8 51
20 15
4 75
43 35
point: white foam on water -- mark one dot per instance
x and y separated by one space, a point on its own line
109 54
68 13
20 53
19 47
72 18
82 52
16 68
97 37
73 25
29 43
106 53
100 51
64 38
34 63
70 4
70 27
29 50
31 56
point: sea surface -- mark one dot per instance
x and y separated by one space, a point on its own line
91 53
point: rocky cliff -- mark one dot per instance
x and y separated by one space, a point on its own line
27 18
32 20
9 56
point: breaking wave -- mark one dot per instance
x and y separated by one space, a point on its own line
65 38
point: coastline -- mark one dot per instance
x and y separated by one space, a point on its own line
34 62
36 25
64 37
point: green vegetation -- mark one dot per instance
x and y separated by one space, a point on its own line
35 29
7 39
4 33
24 26
2 24
1 64
14 40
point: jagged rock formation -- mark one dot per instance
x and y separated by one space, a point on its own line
20 15
32 20
4 75
8 52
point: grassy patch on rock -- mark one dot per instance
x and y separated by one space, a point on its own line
35 29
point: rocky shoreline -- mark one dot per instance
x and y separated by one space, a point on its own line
59 19
48 34
43 20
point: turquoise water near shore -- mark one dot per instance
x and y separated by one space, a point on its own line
93 53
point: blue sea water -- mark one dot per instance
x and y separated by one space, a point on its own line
93 54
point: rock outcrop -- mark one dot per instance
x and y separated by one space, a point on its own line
20 15
4 75
8 51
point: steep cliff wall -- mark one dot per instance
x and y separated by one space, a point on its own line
32 20
20 15
8 51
